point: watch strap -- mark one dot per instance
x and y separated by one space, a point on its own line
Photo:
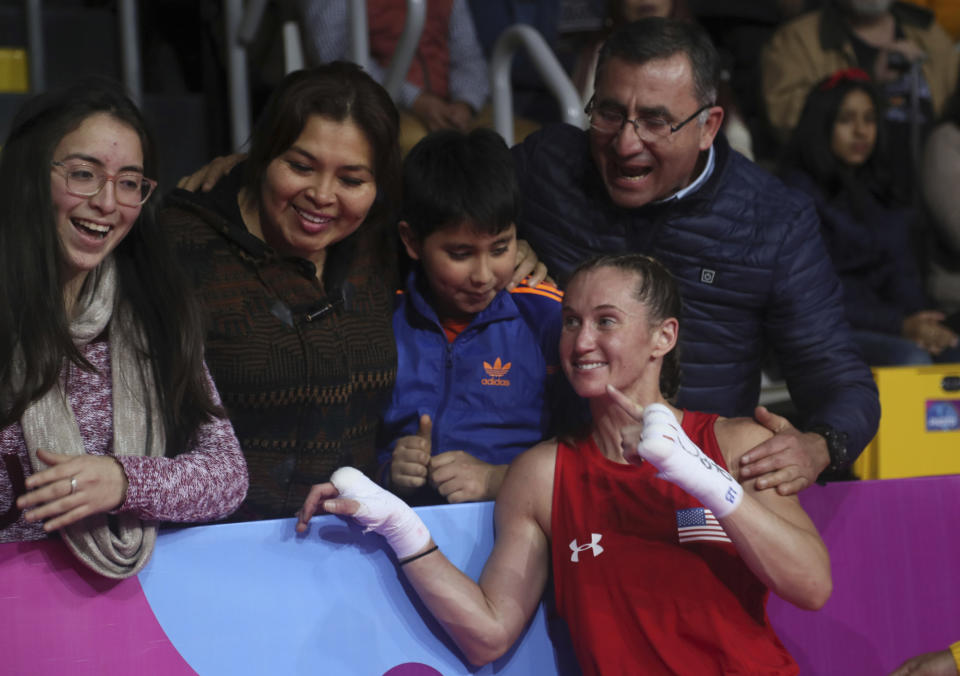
836 446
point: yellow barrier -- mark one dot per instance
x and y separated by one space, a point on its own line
919 433
13 70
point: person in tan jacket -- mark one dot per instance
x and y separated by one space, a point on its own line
904 51
881 37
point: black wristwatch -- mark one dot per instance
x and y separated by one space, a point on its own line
836 446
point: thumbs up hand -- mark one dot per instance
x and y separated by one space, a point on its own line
411 456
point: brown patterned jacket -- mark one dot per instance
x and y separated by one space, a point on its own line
304 368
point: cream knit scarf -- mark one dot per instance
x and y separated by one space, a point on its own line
49 423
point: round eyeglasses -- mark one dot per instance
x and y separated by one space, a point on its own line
131 188
609 120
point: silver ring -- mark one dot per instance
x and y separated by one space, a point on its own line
73 485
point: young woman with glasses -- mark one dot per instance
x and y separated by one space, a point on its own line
109 422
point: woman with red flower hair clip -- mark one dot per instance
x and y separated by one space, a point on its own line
837 155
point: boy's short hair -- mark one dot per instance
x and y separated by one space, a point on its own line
451 177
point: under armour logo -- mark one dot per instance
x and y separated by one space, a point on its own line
593 546
731 495
707 275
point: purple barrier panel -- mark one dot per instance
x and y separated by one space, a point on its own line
58 617
894 549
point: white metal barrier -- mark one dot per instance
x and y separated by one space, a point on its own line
127 28
547 65
242 23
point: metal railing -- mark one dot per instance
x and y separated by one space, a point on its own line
238 86
406 47
36 61
242 24
243 21
548 67
127 28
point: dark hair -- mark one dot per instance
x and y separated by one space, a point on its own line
450 177
658 291
809 151
151 287
658 38
339 91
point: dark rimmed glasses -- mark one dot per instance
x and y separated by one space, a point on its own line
131 188
609 120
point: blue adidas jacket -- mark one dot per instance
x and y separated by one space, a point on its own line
752 269
493 392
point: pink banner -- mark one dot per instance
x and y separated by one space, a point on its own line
58 617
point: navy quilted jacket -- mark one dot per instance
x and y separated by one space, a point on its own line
751 265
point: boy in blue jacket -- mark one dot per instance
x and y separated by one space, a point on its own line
478 378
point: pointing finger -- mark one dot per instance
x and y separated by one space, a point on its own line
633 409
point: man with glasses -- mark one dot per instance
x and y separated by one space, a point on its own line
652 175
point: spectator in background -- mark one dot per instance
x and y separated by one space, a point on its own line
940 178
836 155
652 176
447 84
109 422
882 38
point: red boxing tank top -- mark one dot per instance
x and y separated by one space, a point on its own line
646 578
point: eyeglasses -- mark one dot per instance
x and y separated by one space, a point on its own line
86 180
610 120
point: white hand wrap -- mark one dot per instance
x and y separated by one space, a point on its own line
680 461
382 512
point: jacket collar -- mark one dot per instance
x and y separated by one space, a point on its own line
707 191
500 308
223 212
706 172
722 155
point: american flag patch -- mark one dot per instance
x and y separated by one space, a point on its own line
698 523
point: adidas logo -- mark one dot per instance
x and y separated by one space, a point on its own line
496 371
